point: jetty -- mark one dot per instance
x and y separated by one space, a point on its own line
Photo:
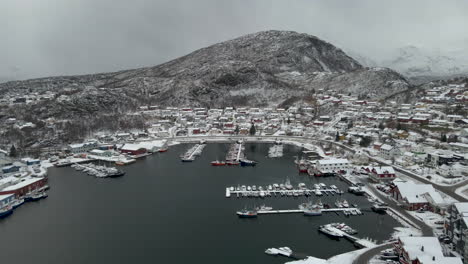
193 152
286 193
346 211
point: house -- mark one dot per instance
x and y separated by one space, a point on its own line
387 151
457 228
418 196
332 165
380 174
422 250
82 147
133 149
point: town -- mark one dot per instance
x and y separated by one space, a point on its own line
411 157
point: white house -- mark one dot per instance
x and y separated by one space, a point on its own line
333 165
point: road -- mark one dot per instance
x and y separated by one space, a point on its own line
369 254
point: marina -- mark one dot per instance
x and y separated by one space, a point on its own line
98 214
98 171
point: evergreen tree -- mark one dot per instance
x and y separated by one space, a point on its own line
13 151
252 130
443 138
337 137
398 127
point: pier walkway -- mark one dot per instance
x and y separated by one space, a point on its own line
346 211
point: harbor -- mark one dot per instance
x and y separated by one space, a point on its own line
206 216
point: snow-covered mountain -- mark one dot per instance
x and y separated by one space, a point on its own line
412 61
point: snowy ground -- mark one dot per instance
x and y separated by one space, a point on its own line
346 258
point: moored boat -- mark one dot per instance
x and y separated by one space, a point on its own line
247 213
17 203
247 163
6 211
218 163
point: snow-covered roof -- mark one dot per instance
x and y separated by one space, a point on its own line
384 170
386 147
419 247
416 193
439 260
461 207
332 161
23 183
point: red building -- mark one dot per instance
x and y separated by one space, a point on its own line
20 187
133 149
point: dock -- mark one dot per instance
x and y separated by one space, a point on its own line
287 193
193 152
346 211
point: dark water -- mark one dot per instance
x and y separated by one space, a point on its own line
165 211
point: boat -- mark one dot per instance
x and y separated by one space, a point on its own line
345 204
247 213
271 251
331 231
318 192
116 173
232 163
356 190
17 203
163 150
379 207
264 208
218 163
312 210
247 163
38 196
6 211
288 185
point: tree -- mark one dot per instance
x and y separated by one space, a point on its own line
288 121
337 137
252 130
350 124
365 142
381 126
13 151
236 130
443 138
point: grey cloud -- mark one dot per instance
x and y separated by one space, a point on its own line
57 37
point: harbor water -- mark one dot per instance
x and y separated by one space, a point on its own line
166 211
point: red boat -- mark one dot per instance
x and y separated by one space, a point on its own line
218 163
162 150
232 163
302 167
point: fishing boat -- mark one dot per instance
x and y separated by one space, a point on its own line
232 163
38 196
247 163
331 231
247 213
6 211
218 163
115 173
163 150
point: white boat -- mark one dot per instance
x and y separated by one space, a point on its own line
345 204
318 192
271 251
331 231
264 208
262 194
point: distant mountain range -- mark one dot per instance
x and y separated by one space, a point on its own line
418 63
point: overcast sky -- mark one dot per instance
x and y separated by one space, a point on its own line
56 37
